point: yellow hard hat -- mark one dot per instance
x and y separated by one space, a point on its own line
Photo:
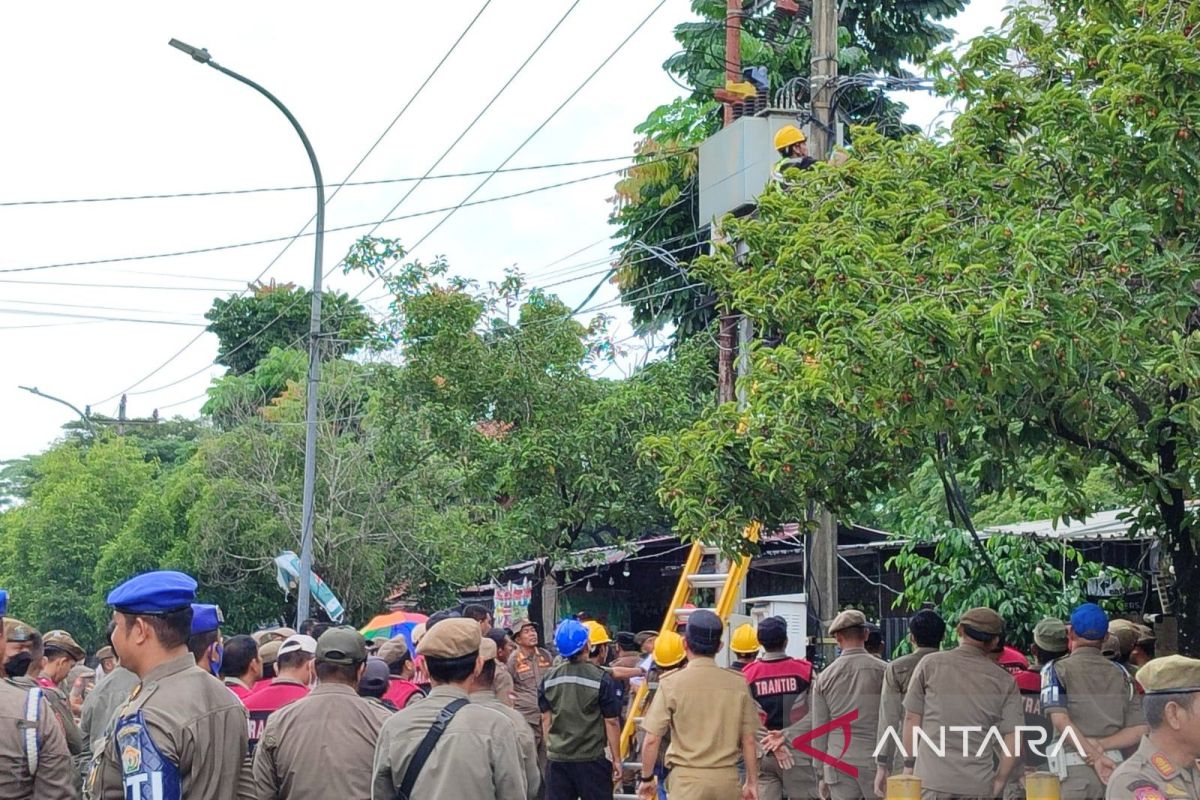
787 136
597 634
668 650
745 640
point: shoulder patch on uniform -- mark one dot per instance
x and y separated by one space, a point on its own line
1175 791
1148 793
131 759
1163 765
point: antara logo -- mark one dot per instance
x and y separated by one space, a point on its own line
1025 737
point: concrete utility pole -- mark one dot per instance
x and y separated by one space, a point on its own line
823 542
823 76
727 332
83 415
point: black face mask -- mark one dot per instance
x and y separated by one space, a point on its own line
18 665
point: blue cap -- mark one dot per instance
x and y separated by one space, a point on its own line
3 602
205 618
154 593
1089 621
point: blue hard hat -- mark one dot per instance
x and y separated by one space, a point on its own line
570 637
1089 621
154 593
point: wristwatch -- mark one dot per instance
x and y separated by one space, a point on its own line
910 762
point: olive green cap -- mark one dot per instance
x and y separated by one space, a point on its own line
984 620
1126 633
341 645
1050 635
1170 675
850 618
65 642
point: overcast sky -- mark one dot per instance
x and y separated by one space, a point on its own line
96 104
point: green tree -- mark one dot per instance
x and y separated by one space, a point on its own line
48 545
277 315
1021 294
657 199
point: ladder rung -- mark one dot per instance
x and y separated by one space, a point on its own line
708 580
709 550
625 797
634 765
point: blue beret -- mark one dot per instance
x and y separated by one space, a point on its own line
154 593
3 602
205 618
1089 621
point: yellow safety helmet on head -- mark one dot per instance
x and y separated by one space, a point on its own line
668 650
787 136
745 640
597 634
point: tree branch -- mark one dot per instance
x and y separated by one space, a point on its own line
1058 426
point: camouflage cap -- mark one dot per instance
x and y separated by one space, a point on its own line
1170 675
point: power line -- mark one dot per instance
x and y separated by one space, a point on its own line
75 284
94 317
535 132
85 306
267 189
388 216
428 78
276 239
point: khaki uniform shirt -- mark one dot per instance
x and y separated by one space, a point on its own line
1099 696
891 701
62 712
961 687
319 747
852 682
102 702
707 710
195 722
56 778
477 757
529 750
1150 775
504 684
528 670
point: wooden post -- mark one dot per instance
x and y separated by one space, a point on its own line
823 76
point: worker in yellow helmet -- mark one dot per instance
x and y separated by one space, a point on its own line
792 146
744 645
669 658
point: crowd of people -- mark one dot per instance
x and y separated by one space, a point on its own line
175 709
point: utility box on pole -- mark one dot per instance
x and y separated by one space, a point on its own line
736 164
794 610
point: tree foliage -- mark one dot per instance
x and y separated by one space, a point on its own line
1023 293
657 199
250 326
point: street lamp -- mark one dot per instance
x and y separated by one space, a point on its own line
82 415
314 333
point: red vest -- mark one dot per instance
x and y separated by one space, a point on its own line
780 687
400 691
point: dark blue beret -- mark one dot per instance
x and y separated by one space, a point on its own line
154 593
205 618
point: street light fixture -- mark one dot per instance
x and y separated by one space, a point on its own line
202 56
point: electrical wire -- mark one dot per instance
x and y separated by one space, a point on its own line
451 211
353 226
209 289
267 189
428 78
94 317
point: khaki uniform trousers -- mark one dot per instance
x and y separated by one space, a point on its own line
1082 783
775 783
846 787
692 783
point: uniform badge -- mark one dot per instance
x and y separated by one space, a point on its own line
1163 765
131 759
1175 791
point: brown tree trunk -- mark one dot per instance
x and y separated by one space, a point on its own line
1187 588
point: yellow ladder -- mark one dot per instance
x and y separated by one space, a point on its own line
727 584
